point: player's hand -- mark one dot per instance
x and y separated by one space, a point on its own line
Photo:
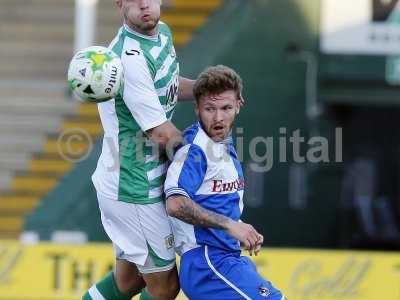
245 233
259 244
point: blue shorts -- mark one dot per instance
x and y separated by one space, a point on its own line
208 273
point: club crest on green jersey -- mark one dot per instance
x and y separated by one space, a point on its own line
172 94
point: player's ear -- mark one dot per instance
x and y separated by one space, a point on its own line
196 108
237 108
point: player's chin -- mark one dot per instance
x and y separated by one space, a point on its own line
151 22
218 137
149 25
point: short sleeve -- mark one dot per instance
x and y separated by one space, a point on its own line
186 172
139 93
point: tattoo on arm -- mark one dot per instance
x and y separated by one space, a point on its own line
192 213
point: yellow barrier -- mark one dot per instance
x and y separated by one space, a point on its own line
58 272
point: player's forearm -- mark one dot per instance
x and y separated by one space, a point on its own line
185 91
165 135
188 211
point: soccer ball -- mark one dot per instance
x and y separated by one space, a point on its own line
95 74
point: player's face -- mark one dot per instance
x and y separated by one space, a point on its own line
217 114
141 15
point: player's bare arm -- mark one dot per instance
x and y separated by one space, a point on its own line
185 92
186 210
165 135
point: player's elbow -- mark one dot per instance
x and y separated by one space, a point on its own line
174 205
169 138
166 135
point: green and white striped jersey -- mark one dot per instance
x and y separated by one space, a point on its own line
130 167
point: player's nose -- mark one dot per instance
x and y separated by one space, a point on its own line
218 116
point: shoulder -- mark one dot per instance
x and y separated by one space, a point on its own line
190 133
164 28
126 45
135 60
195 135
190 154
132 50
118 43
187 149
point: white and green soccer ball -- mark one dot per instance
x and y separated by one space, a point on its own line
95 74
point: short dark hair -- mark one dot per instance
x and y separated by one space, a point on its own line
216 80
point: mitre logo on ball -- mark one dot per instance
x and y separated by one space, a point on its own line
95 74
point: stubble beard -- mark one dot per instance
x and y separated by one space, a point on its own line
216 137
141 27
149 26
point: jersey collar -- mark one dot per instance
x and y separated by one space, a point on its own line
228 140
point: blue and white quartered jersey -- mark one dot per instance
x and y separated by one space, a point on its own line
210 174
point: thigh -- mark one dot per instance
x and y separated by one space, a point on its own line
121 223
157 231
141 234
230 278
250 282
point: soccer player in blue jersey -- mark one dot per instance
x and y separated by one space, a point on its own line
204 189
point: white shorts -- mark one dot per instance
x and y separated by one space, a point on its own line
140 234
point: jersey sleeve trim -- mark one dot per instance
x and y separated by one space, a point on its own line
155 124
176 191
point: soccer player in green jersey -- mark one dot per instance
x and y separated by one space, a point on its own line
130 175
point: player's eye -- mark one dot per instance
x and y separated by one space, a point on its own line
209 109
